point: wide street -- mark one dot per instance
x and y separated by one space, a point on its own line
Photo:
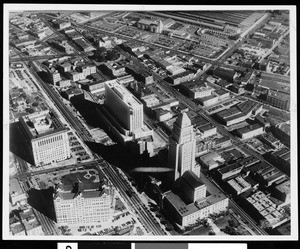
112 174
119 181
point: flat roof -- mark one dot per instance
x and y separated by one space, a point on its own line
146 21
279 95
222 140
229 112
180 206
123 93
15 187
210 156
221 92
284 187
249 128
206 127
41 124
230 167
275 82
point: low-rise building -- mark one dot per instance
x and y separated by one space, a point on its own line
84 45
211 160
163 115
31 224
250 131
282 192
279 99
150 100
17 196
196 89
222 142
225 73
231 116
230 170
265 174
269 139
16 227
59 24
266 209
75 75
222 94
207 130
239 184
53 75
181 77
208 100
105 42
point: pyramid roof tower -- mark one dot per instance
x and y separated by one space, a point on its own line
183 120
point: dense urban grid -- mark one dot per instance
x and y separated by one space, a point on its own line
149 123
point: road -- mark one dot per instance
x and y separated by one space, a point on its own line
114 176
23 175
193 106
236 208
274 45
119 182
146 217
242 213
73 121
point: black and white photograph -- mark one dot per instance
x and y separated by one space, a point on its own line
135 122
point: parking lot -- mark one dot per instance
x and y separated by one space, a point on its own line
76 148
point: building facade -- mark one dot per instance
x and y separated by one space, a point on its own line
127 108
82 200
182 146
48 138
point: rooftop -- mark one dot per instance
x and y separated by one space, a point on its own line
249 128
146 21
279 95
276 82
284 187
231 167
192 180
41 123
183 120
89 183
123 93
210 156
15 187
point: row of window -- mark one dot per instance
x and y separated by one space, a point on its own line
50 140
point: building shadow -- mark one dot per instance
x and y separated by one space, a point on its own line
87 110
18 144
42 200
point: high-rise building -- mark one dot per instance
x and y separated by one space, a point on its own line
124 106
47 136
81 199
182 147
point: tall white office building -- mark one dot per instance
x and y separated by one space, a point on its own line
47 136
182 147
125 107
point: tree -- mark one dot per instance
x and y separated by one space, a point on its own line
35 104
99 54
111 55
